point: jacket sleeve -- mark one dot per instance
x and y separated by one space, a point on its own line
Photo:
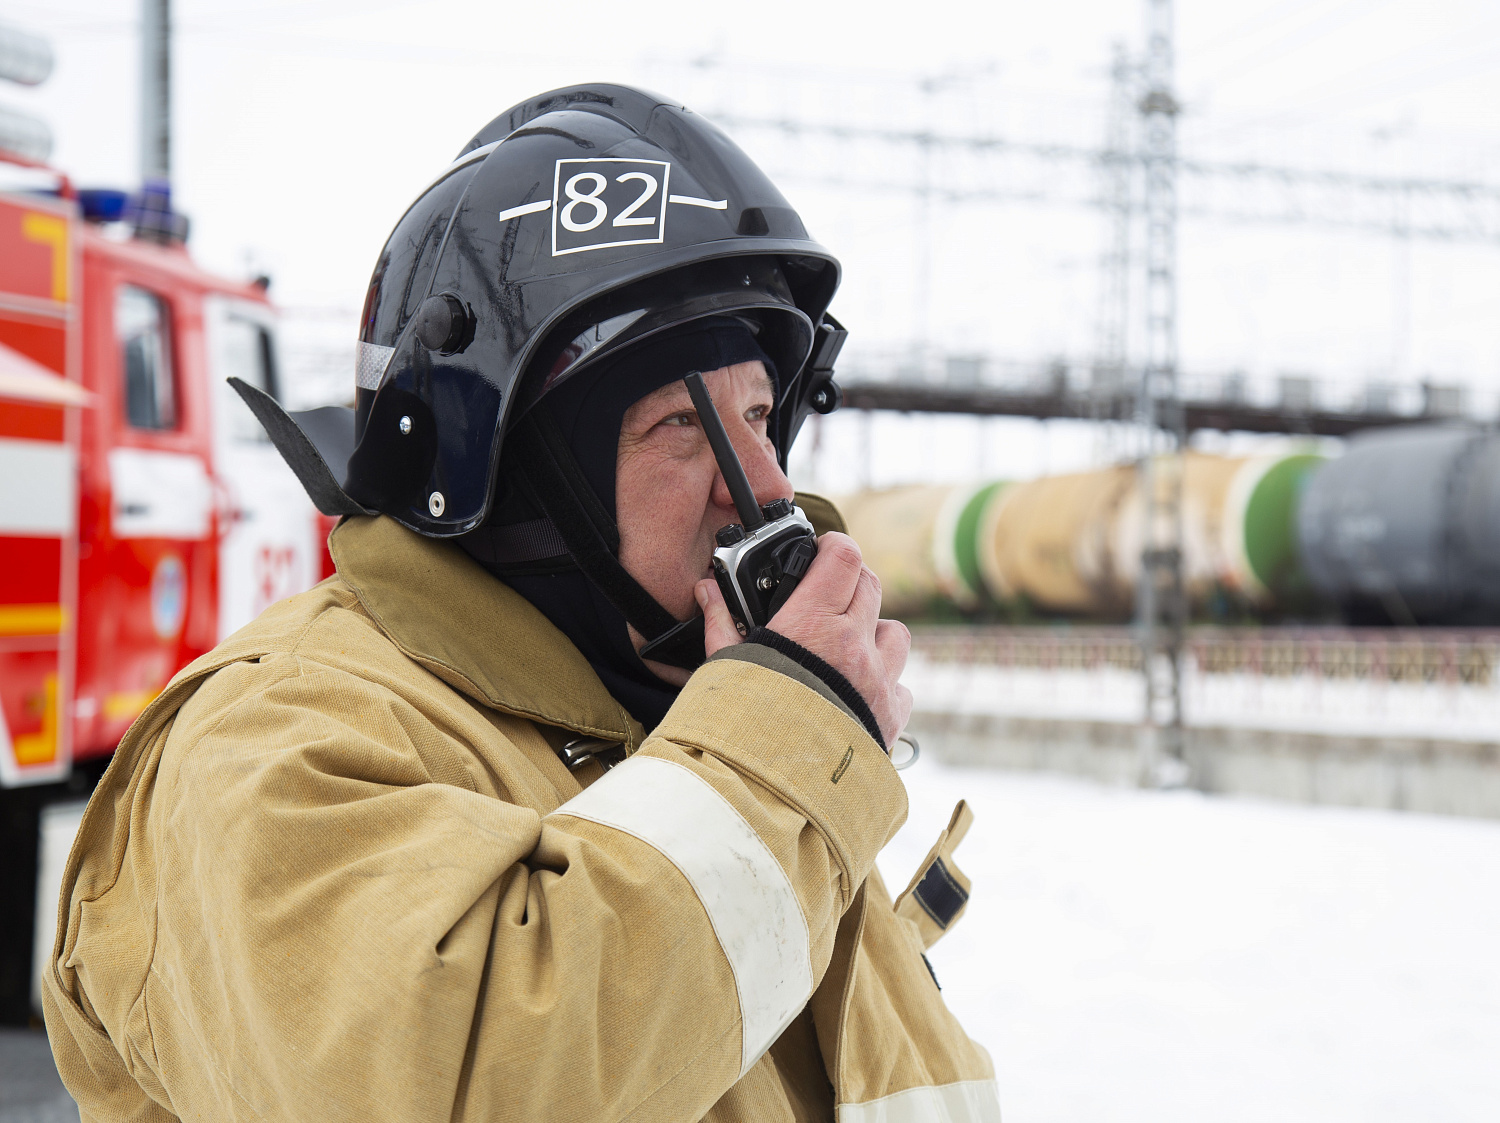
350 928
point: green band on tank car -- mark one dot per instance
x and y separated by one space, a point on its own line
966 537
1271 523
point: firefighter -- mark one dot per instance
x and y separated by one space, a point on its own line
507 820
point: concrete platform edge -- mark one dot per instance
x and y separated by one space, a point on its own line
1407 774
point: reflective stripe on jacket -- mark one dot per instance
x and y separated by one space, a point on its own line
339 871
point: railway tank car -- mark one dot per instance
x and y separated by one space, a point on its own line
1071 544
923 543
1404 528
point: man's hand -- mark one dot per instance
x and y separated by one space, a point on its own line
835 614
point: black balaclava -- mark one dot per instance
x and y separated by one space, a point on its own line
588 410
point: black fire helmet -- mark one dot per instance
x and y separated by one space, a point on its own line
572 225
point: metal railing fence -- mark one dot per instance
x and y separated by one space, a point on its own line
1452 656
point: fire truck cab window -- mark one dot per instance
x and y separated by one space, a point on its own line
249 354
142 326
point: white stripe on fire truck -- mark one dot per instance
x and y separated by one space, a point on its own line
38 488
750 903
967 1101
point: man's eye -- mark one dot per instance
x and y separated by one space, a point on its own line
685 418
757 413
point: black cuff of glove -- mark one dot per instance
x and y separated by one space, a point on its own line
842 688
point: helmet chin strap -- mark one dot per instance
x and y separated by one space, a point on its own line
593 542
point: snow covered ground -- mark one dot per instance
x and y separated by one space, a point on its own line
1171 957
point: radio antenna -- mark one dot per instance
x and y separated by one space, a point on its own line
729 463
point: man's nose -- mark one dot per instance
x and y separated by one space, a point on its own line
758 458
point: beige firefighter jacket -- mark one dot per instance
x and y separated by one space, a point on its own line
338 871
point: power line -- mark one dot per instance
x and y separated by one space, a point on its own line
1309 32
1439 209
1388 71
1448 70
1269 17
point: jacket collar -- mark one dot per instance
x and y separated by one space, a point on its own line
475 633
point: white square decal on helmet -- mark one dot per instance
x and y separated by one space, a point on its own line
608 202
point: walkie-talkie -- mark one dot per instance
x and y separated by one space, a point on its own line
760 559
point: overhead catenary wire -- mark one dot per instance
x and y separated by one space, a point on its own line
1310 32
1442 73
1385 77
75 25
1261 21
1451 210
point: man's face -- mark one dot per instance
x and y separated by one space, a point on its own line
669 496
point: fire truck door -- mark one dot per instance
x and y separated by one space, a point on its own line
269 548
150 596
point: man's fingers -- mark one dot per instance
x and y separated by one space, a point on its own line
864 606
718 625
893 641
831 579
835 613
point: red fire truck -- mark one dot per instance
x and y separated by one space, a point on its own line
143 514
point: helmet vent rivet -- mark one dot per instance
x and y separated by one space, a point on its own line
435 504
404 425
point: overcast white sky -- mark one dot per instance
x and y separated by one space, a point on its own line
304 129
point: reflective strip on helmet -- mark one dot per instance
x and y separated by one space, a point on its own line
462 162
525 209
750 903
694 201
370 361
968 1101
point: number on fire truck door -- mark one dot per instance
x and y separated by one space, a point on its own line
269 549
